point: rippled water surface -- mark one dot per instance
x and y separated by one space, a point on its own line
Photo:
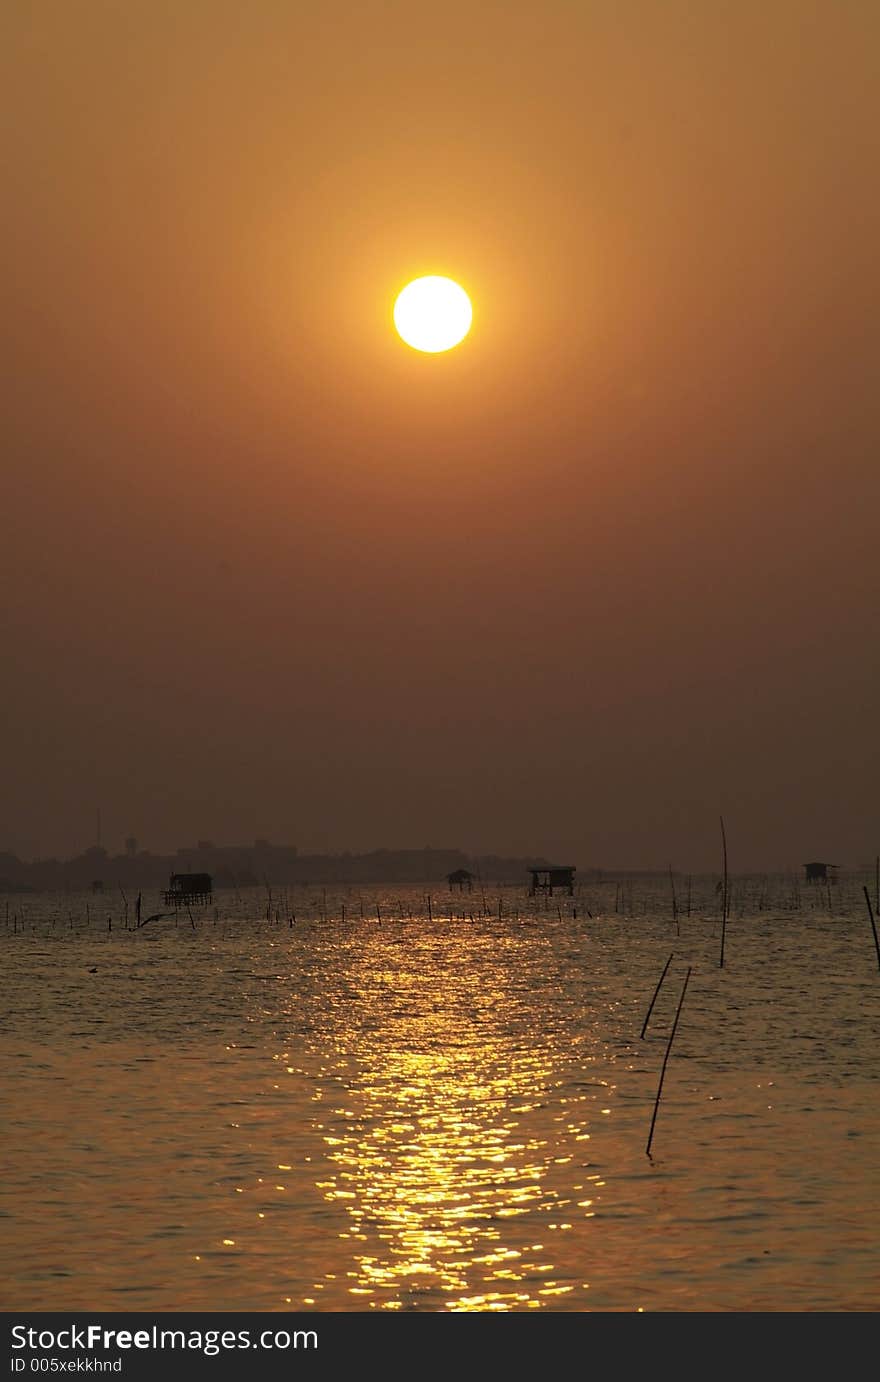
373 1101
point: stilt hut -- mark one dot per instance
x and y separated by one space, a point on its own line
556 878
817 872
461 879
187 889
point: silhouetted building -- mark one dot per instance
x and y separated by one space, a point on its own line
557 876
820 873
184 889
461 879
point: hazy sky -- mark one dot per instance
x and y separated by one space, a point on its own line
607 570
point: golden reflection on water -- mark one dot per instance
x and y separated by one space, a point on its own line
443 1110
443 1147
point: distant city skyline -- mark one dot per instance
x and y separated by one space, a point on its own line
130 847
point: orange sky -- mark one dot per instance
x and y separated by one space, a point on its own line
605 571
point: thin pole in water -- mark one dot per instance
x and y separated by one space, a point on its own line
674 902
873 925
654 999
665 1060
724 892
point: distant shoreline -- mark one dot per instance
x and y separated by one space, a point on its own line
263 864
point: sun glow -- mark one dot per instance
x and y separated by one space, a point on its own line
433 314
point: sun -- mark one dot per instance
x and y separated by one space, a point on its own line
433 314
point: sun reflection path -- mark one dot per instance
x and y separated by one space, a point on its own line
446 1145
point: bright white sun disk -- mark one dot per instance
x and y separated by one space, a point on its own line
433 314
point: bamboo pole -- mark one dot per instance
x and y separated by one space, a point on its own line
873 925
674 902
724 892
654 999
666 1059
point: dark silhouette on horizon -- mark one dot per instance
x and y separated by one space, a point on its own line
188 889
817 872
461 879
559 877
243 866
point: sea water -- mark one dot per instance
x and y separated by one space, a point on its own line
406 1099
